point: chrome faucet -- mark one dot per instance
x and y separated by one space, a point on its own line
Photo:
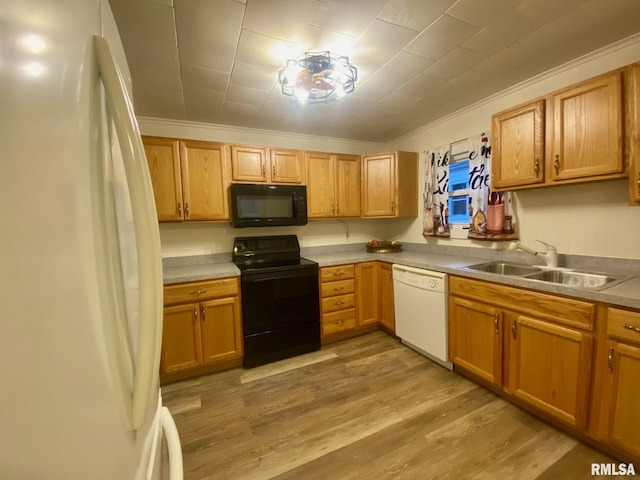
550 255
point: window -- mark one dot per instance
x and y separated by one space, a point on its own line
458 203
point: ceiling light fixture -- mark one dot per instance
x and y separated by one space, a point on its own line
318 77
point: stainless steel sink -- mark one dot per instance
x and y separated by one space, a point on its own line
502 268
591 281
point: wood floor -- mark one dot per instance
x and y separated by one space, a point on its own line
366 408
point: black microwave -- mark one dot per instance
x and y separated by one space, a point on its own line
255 205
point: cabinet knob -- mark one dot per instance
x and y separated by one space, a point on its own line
536 168
264 170
631 327
187 214
610 360
203 313
556 164
273 171
195 314
514 329
338 208
180 210
496 323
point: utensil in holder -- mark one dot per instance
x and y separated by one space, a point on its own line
495 219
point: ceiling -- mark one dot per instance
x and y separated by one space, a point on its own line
217 61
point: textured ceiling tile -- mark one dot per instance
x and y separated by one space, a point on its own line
156 79
478 13
251 76
454 63
152 22
198 77
158 103
542 11
208 31
560 30
257 49
240 113
350 17
394 102
141 53
420 85
245 95
505 59
500 33
441 37
281 19
380 42
414 14
203 105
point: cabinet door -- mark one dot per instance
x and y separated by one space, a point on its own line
367 293
221 329
386 313
287 166
248 164
623 391
633 132
550 367
378 185
181 346
517 146
587 130
320 185
204 180
163 158
347 185
475 338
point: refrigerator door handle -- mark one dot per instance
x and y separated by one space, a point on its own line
146 230
173 445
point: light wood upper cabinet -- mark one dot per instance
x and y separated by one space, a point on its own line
517 146
261 164
386 306
163 158
633 132
333 185
576 134
390 185
189 179
475 338
204 181
287 166
550 367
587 129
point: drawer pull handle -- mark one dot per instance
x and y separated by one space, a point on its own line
610 360
180 210
339 273
514 329
536 168
197 292
631 327
496 323
556 164
339 303
337 289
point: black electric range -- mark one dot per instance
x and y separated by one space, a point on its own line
280 298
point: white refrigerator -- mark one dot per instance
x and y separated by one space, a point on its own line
80 262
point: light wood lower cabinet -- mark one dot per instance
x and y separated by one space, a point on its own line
203 332
550 367
542 362
475 338
367 293
620 367
386 312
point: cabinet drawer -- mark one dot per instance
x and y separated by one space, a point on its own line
623 324
340 302
341 272
330 289
338 321
196 291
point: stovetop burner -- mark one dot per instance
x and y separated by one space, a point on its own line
277 251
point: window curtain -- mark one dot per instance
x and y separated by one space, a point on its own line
479 170
436 184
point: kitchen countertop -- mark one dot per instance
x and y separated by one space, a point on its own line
625 294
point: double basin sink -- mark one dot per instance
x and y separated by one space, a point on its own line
560 276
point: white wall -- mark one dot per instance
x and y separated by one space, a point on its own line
587 219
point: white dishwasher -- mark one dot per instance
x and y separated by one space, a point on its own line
420 298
